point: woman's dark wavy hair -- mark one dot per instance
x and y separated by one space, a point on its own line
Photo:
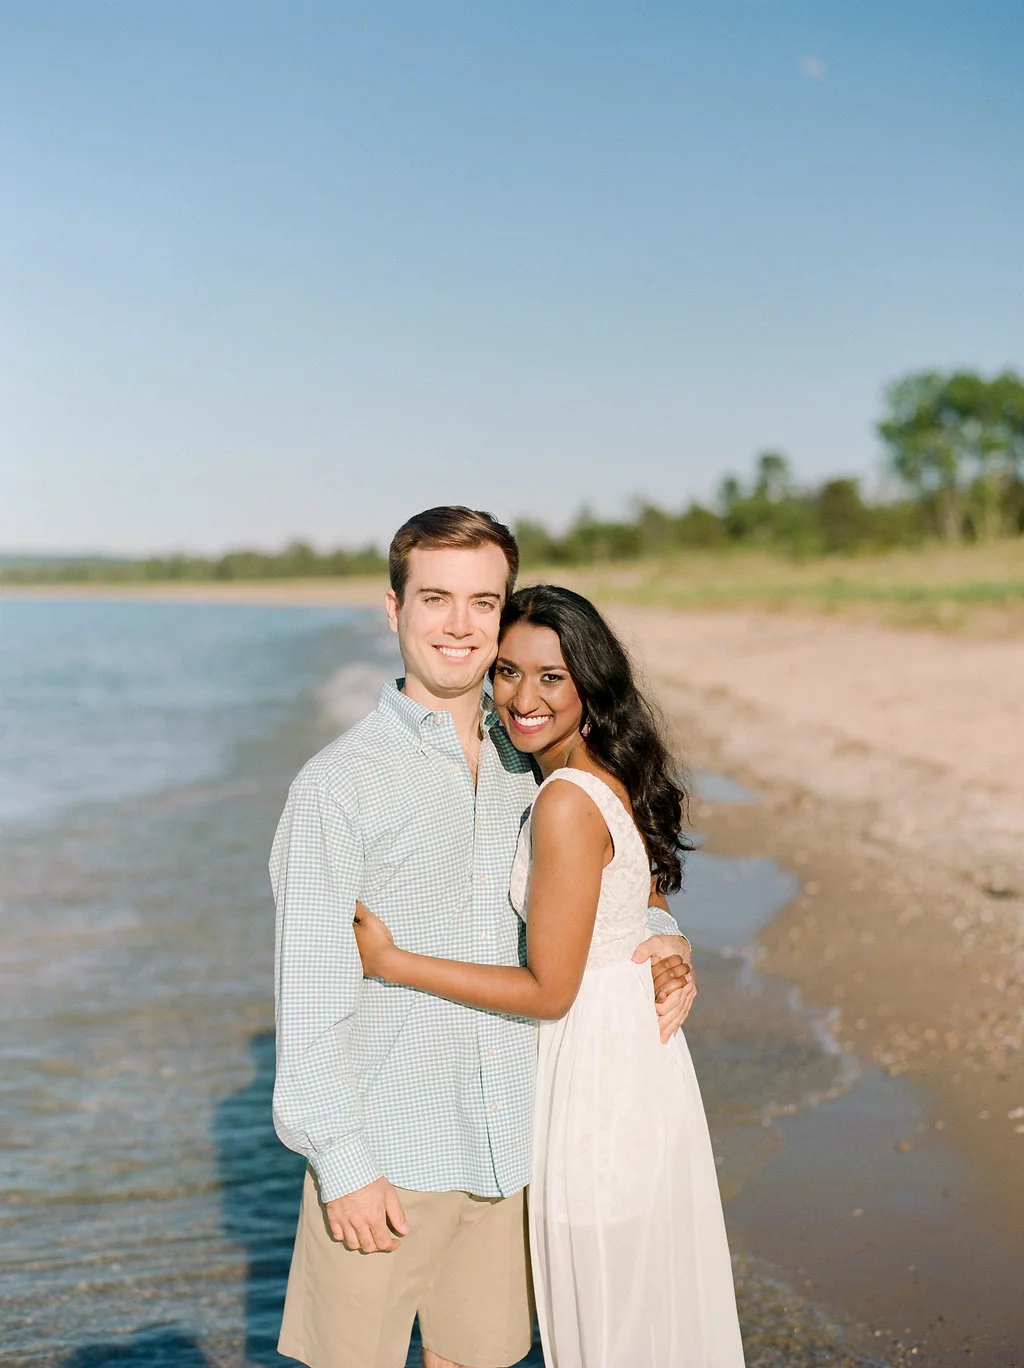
624 735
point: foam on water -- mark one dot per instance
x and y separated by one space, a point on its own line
101 701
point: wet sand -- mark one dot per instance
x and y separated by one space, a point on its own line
890 768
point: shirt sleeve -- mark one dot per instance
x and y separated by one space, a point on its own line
315 869
660 923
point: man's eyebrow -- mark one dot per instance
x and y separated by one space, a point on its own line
447 593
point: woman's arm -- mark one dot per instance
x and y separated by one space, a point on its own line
571 846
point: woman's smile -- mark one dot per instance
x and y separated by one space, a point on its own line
529 725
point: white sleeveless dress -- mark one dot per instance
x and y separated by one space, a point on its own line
631 1266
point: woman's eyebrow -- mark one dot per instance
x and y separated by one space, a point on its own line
541 669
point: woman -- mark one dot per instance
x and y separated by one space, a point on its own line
630 1261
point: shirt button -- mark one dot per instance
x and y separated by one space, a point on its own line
495 1106
489 1052
481 878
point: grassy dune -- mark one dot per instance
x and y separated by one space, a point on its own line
956 588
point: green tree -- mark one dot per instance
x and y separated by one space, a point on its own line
958 442
773 481
991 418
536 544
844 520
924 444
700 528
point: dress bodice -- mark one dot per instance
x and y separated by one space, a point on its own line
620 924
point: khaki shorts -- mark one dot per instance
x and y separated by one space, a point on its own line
463 1268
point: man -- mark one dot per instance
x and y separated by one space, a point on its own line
414 1112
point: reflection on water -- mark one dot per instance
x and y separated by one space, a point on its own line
720 788
149 1208
758 1052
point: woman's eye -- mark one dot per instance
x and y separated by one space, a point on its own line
553 679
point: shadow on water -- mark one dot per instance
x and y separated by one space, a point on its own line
261 1183
159 1347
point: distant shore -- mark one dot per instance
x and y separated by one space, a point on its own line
975 590
314 593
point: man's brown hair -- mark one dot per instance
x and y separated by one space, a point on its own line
450 527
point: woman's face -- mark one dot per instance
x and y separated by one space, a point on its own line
534 692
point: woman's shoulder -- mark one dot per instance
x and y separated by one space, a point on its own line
568 816
578 797
597 782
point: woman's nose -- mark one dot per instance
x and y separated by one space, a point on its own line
526 698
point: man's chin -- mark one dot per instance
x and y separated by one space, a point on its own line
455 682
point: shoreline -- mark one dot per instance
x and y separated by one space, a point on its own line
916 954
890 771
344 591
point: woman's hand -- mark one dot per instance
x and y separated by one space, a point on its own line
375 941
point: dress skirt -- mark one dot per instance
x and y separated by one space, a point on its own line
631 1264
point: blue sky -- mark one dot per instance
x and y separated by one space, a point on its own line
275 270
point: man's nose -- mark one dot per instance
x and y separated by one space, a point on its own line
458 622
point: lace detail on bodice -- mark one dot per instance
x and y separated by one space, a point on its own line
621 919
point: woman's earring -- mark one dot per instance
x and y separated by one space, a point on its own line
585 729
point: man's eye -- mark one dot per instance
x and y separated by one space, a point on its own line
487 605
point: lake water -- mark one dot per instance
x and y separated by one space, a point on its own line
145 754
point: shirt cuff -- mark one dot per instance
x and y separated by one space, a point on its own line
660 923
343 1168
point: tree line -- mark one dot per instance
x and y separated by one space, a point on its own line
954 446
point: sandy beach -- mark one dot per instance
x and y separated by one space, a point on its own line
890 769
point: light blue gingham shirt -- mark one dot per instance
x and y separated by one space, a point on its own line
375 1079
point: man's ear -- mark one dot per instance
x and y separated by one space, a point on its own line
391 607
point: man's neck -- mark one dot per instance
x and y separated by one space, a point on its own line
464 708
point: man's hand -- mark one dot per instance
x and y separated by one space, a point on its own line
674 986
360 1219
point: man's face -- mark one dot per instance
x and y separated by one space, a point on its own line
447 622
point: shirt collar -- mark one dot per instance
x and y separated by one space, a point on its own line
415 718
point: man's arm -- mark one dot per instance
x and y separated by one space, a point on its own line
315 868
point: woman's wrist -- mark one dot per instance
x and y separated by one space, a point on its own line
392 961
